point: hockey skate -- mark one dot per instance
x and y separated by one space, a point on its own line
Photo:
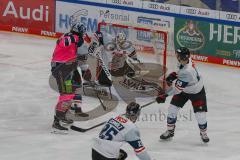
59 122
167 135
57 127
204 137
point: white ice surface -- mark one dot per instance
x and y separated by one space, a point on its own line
27 107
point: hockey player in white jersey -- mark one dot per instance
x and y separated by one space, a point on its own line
115 133
119 50
122 51
188 85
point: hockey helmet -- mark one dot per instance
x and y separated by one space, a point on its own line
120 38
183 53
78 29
133 111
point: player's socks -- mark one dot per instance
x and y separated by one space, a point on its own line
204 137
203 132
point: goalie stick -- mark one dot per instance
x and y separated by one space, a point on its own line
93 85
78 129
104 67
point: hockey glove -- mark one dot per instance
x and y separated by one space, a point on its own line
161 98
170 78
122 155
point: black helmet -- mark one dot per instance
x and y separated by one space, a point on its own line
183 53
78 29
133 111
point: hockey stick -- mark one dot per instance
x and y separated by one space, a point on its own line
104 107
97 53
93 85
78 129
147 104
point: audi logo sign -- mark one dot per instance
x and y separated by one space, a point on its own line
191 11
231 16
153 6
117 1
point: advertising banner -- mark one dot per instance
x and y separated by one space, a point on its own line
163 7
28 16
97 1
91 16
199 12
210 42
230 16
127 3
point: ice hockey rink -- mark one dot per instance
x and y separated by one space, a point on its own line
27 108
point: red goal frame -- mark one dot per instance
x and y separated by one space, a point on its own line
165 40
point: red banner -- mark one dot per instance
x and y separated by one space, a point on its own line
25 15
217 60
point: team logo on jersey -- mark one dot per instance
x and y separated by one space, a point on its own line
190 36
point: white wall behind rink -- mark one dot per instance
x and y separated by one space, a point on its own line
93 15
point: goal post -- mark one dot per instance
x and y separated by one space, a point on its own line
151 43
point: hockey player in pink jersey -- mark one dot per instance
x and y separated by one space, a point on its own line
188 85
64 68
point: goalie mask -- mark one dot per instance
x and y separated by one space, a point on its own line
120 38
133 111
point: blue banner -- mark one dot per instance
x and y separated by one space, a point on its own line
230 5
225 5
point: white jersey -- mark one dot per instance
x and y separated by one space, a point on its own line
115 133
189 80
119 53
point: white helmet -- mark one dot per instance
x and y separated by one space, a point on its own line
120 38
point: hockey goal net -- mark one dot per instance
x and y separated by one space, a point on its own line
151 46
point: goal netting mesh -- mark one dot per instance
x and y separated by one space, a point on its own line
151 46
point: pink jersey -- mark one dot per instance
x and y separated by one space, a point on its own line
66 48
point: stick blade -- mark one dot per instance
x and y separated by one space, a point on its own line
78 129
